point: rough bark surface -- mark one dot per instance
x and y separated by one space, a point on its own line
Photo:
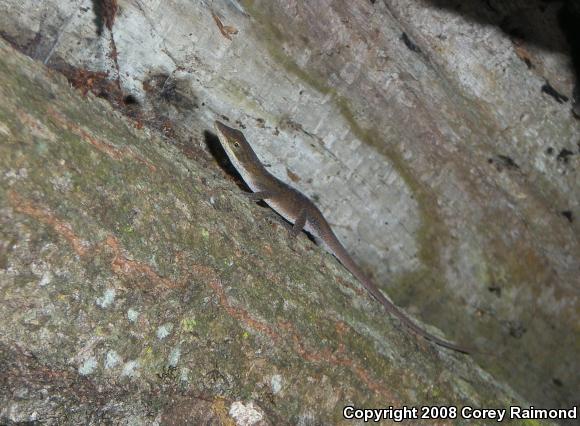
138 286
435 134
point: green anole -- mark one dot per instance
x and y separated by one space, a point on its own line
297 209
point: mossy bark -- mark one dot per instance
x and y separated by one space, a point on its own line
138 286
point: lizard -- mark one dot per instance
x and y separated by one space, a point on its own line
300 211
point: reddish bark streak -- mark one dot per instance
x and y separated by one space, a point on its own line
80 246
105 147
325 356
120 264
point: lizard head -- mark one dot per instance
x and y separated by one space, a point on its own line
237 148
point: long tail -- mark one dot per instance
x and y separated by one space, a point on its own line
344 258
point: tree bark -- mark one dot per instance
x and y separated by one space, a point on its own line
434 135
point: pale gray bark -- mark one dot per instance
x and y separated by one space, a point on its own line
435 154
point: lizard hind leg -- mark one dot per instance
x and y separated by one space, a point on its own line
299 224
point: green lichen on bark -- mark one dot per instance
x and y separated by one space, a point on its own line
131 274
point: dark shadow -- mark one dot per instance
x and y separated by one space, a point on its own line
569 19
216 150
553 25
535 21
99 12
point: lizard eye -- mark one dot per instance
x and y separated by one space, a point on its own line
236 144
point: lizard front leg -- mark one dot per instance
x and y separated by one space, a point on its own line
261 195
